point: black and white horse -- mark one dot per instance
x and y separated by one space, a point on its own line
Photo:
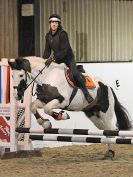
54 92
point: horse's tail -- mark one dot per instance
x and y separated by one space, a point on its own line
122 115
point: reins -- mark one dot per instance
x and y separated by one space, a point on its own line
40 72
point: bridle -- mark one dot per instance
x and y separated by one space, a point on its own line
40 72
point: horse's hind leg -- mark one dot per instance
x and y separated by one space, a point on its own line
109 123
104 121
62 115
45 123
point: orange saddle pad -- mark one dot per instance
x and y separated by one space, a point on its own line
89 82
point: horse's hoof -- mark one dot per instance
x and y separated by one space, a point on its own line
65 116
109 155
47 124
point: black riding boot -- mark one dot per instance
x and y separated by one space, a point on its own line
80 81
87 95
81 84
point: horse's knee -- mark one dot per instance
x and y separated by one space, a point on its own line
35 105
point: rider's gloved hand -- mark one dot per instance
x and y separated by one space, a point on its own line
49 61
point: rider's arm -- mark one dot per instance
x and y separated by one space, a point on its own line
47 50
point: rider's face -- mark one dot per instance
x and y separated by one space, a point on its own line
54 25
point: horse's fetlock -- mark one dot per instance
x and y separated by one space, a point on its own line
110 154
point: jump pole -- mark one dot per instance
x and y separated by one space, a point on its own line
81 139
76 132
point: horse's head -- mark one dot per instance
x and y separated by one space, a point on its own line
20 68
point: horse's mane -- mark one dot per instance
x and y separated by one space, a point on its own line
35 59
42 61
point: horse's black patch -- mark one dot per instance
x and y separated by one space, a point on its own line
91 112
102 101
46 93
102 97
21 89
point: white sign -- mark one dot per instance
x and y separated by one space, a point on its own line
27 10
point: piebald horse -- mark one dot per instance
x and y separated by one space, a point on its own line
54 92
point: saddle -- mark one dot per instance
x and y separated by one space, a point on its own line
88 81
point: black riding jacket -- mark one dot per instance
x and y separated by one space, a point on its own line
59 44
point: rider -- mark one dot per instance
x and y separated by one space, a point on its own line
58 49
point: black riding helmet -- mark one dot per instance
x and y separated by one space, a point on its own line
55 18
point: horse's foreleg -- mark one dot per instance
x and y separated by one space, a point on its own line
45 123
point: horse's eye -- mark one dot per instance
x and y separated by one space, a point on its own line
21 75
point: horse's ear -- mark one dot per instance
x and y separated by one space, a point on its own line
26 65
12 64
16 64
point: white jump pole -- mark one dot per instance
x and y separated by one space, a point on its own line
13 117
82 139
121 133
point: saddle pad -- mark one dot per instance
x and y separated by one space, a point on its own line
89 82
